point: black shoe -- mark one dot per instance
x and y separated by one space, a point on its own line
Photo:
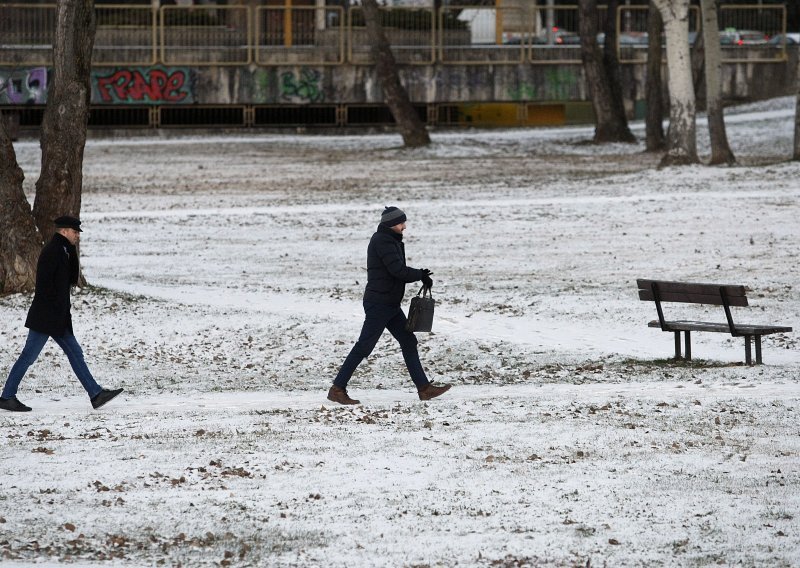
104 396
13 404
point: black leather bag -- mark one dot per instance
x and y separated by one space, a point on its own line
420 312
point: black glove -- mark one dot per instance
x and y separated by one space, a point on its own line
426 278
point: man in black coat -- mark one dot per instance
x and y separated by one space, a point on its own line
49 316
387 275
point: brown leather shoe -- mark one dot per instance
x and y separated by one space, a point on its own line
337 394
430 391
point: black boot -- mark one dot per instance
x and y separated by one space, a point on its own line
13 404
104 396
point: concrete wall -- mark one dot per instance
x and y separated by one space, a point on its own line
350 84
535 94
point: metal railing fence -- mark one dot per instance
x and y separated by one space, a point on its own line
556 40
632 36
411 32
755 28
479 35
26 34
303 35
205 35
126 35
300 35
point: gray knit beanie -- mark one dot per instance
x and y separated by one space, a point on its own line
392 216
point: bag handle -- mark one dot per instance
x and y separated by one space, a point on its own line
425 291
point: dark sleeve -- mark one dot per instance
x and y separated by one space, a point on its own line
395 264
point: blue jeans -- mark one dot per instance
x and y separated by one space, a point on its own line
33 346
378 317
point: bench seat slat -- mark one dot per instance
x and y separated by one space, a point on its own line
714 299
744 329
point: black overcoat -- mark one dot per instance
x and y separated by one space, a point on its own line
387 273
56 271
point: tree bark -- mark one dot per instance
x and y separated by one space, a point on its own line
20 242
698 51
681 137
58 189
611 125
654 87
409 124
796 155
613 71
721 152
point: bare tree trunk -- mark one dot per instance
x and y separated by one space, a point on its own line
681 138
654 87
611 125
721 152
796 155
58 189
698 51
20 242
613 72
409 124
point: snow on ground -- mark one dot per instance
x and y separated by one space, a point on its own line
226 278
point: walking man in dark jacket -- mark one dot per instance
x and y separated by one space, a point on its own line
49 316
387 275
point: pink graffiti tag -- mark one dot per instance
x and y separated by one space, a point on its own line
131 85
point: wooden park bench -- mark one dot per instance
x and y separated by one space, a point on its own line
724 295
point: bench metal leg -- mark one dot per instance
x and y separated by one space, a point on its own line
677 344
758 350
747 358
687 337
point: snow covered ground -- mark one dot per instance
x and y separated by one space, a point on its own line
226 278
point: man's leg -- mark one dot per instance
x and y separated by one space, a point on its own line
33 346
75 355
375 316
408 344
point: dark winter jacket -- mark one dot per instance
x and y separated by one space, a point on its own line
387 272
56 271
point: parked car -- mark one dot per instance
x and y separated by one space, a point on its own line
560 37
742 37
778 39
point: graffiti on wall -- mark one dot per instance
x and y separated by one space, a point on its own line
23 86
302 87
262 79
143 85
556 85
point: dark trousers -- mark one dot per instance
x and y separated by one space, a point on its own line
378 317
33 346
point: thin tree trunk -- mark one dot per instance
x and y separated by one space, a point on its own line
610 122
796 155
698 51
20 242
681 138
58 189
409 124
654 87
613 71
721 152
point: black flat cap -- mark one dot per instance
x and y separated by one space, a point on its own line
67 222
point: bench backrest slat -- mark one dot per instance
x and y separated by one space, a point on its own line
692 292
